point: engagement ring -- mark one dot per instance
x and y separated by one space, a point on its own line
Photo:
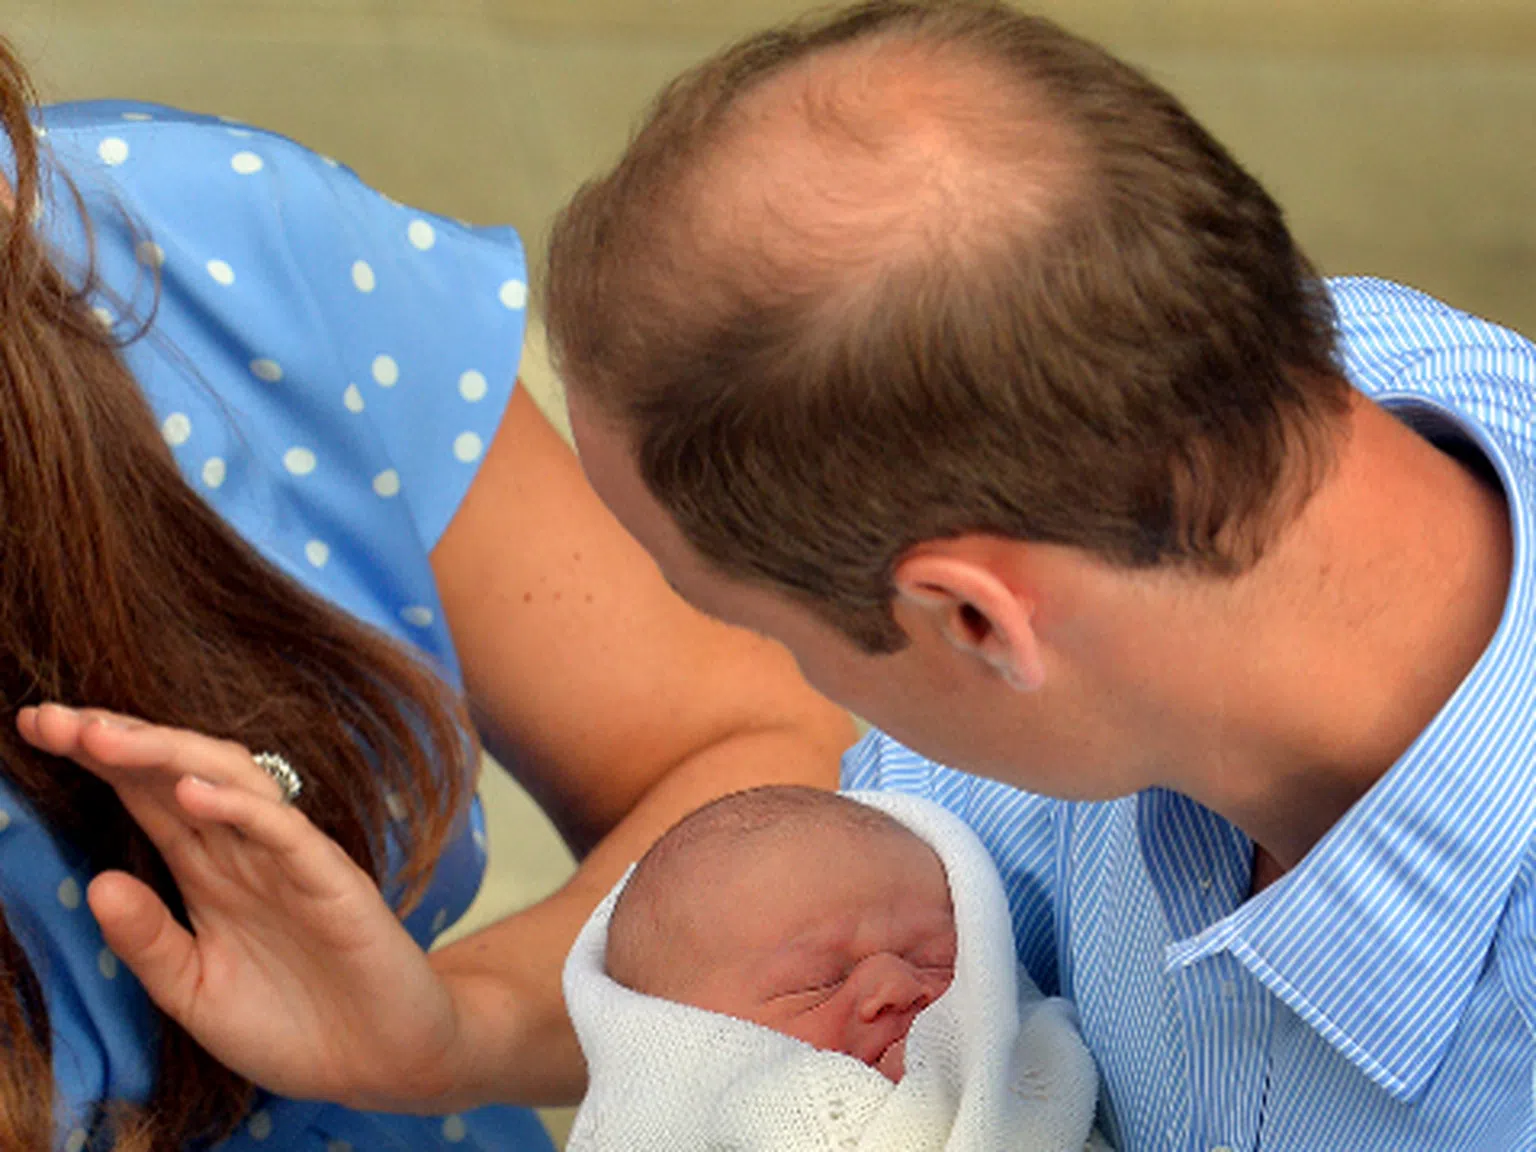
281 771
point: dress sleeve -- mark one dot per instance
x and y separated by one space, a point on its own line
1021 831
327 365
426 316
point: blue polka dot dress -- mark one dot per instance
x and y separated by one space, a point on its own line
328 368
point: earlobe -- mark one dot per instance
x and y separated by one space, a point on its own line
977 612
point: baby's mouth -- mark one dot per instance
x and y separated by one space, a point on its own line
892 1060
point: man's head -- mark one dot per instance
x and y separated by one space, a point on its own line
873 298
797 909
919 270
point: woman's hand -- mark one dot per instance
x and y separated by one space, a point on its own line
296 974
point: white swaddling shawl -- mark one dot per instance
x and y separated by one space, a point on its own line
991 1066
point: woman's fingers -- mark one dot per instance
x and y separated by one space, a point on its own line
143 934
145 764
177 784
310 861
122 749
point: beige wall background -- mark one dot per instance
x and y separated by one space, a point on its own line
1400 134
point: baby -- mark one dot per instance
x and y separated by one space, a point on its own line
722 988
800 910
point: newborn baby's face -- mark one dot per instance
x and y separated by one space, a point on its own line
838 942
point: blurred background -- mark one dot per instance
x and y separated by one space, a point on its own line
1399 134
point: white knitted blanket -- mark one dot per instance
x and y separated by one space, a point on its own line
991 1066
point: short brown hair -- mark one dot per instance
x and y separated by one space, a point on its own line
1125 352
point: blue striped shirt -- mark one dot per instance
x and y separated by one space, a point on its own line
1382 994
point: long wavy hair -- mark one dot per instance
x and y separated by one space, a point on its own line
121 589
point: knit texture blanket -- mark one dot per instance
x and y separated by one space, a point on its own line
991 1066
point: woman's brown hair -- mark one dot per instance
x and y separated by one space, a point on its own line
121 589
1017 291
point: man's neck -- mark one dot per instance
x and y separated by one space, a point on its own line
1347 640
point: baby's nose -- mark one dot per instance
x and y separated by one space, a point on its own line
886 983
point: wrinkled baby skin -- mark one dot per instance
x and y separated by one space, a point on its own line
838 941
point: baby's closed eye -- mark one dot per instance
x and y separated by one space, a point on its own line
822 986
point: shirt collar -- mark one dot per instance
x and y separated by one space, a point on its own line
1378 937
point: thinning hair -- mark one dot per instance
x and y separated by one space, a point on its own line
908 271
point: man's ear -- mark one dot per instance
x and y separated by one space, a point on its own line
974 609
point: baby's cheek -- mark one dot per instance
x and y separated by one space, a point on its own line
831 1024
847 1031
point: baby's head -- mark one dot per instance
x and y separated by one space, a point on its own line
797 909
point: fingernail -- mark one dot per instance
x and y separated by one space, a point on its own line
201 783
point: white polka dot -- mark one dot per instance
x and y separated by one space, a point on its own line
417 615
386 373
177 429
467 447
352 398
387 483
76 1140
440 921
331 162
104 317
472 386
106 964
514 294
113 150
137 117
479 839
421 234
150 254
221 272
242 133
395 806
453 1129
317 552
69 892
245 163
5 819
269 370
363 278
42 133
214 471
260 1124
299 461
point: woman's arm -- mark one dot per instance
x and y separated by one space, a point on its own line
295 972
615 704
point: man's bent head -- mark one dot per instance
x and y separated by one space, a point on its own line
913 271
